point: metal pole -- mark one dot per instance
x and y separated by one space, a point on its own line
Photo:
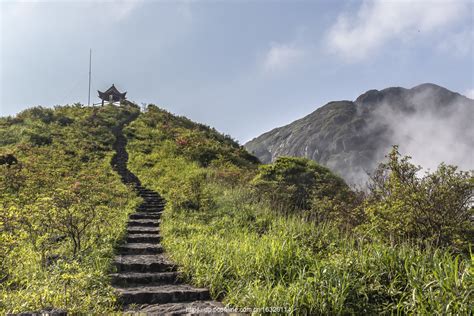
90 63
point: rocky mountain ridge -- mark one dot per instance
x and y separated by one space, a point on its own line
429 122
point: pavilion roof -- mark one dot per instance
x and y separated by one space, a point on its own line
111 91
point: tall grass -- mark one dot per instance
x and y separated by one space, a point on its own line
252 258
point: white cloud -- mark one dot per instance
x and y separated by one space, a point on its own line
281 56
469 93
357 36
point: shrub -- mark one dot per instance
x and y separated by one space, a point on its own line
298 184
39 139
64 120
436 207
37 113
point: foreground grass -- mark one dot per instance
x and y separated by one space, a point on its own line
253 259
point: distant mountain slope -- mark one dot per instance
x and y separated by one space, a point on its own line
429 122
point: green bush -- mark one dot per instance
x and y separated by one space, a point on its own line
299 184
38 113
289 182
435 207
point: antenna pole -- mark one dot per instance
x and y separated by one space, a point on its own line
90 63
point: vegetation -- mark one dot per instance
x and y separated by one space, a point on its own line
436 207
292 234
298 185
289 234
62 208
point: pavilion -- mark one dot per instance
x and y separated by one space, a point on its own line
112 95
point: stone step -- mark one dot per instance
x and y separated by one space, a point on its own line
185 308
145 215
145 205
142 230
154 201
148 196
143 238
144 222
143 263
140 249
150 201
160 294
143 189
151 197
153 209
148 193
152 205
133 278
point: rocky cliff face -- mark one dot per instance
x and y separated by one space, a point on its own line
429 122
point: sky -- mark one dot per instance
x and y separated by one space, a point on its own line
243 67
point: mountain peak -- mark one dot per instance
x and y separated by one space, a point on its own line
378 96
428 85
352 140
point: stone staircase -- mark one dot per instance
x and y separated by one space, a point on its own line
146 280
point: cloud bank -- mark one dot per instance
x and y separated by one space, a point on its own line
469 93
430 131
355 37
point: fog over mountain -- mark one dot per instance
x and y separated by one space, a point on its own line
428 122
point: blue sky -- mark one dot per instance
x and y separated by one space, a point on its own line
243 67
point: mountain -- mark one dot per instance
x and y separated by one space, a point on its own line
429 122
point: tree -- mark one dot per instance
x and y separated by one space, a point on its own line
435 207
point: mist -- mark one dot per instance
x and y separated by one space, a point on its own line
427 129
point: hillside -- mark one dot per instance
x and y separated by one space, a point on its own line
63 209
109 209
292 236
429 122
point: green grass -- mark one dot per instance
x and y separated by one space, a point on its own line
252 258
62 209
227 238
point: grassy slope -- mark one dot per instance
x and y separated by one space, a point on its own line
234 243
62 209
